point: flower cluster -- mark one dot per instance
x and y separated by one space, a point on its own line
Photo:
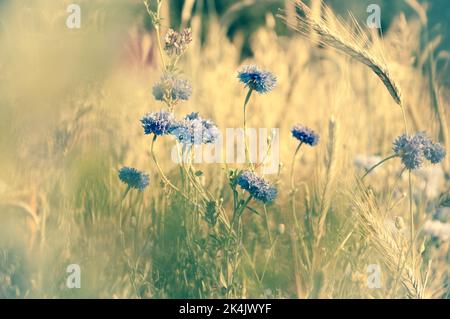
256 79
434 152
158 123
172 88
414 149
133 178
257 187
175 43
305 135
195 130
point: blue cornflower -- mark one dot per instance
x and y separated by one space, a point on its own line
434 152
195 130
158 123
256 79
411 149
257 187
172 87
133 178
305 135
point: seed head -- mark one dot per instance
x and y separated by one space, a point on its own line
176 43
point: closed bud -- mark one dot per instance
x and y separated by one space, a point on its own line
281 229
399 223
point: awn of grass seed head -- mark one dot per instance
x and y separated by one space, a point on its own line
256 79
134 178
259 188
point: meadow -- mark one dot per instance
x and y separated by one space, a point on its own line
72 108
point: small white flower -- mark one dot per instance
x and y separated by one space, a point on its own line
362 161
437 229
430 181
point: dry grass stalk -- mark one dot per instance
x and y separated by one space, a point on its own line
372 225
331 172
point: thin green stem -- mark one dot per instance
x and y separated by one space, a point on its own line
156 23
239 210
378 164
293 238
293 190
125 193
163 176
293 165
266 263
266 218
411 214
247 153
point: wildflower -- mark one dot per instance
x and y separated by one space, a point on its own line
305 135
172 87
133 178
410 150
257 187
158 123
195 130
437 229
176 43
434 152
413 149
256 79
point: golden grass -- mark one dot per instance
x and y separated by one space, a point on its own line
69 118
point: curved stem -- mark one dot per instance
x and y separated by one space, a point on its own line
247 154
296 224
294 214
411 215
161 173
378 164
125 193
266 217
293 165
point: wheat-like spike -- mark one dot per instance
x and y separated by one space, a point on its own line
371 223
335 33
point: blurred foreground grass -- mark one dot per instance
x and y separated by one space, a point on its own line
70 101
